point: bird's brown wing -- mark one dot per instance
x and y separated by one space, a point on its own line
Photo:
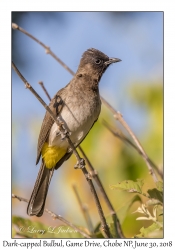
55 105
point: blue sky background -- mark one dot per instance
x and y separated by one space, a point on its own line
136 38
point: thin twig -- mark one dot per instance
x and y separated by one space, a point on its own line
80 161
19 198
55 216
59 217
127 141
105 228
118 116
84 210
95 176
45 90
47 49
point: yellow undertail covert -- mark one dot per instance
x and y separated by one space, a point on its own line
52 154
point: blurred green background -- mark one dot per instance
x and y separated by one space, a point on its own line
134 87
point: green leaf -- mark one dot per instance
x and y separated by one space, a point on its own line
135 199
155 194
97 231
35 229
151 230
159 186
129 186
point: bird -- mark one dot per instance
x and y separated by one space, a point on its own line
78 107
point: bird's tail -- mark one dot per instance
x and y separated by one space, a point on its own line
37 200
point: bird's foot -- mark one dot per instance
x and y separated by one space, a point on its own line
63 133
80 164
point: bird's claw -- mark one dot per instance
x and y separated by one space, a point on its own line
80 164
64 134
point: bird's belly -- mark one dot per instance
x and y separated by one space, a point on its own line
77 123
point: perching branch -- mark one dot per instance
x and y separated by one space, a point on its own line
80 161
95 176
104 226
55 216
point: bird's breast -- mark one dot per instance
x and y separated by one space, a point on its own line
78 119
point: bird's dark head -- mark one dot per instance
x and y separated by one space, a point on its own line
95 62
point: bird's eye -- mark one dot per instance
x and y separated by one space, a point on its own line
98 61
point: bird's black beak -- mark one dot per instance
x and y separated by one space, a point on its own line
112 60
